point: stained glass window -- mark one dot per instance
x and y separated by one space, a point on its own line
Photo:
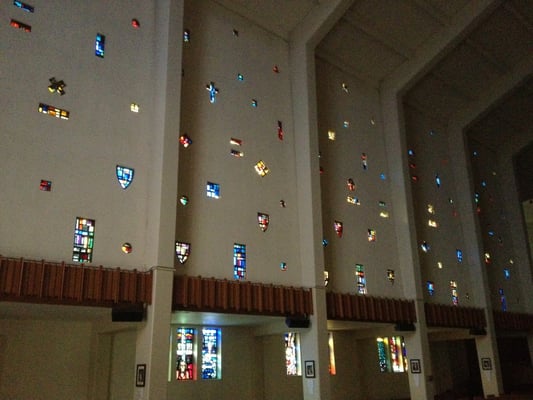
211 353
371 235
23 6
331 347
183 250
506 273
263 221
459 254
124 176
99 45
83 240
392 355
261 168
53 111
360 278
213 190
390 275
430 287
239 261
185 368
45 186
20 25
337 225
292 354
455 296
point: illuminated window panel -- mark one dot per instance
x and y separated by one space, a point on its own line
350 185
185 354
326 278
280 130
331 347
506 273
503 301
346 124
431 209
213 190
185 140
83 240
364 161
425 247
134 107
292 354
235 142
23 6
439 264
261 168
437 180
337 225
345 87
390 275
135 23
353 200
432 223
20 25
186 35
392 354
53 111
263 221
45 186
239 261
371 235
211 361
331 135
430 286
488 258
384 214
236 153
459 254
360 278
124 176
57 86
183 251
99 45
455 295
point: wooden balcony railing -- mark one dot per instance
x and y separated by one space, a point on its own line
220 295
350 307
60 283
454 316
512 321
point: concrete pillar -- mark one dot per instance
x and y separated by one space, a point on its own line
153 338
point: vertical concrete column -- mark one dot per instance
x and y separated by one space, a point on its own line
314 349
421 384
314 341
486 345
153 343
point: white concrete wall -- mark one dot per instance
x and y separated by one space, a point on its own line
44 360
212 226
79 156
340 160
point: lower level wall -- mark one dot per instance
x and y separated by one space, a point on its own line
44 360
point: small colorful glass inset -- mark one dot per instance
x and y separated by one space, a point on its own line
239 261
183 251
99 45
350 185
127 248
53 111
261 168
430 287
390 275
254 103
283 266
364 161
186 35
213 190
184 200
45 186
213 91
135 23
23 6
331 135
425 247
263 221
185 140
280 130
134 107
124 176
338 227
353 200
56 86
371 235
83 240
20 25
236 153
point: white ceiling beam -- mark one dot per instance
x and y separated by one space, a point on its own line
438 46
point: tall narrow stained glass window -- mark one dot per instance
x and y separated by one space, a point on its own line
83 240
239 261
99 45
392 354
331 347
455 296
185 369
292 354
183 251
360 278
211 353
213 190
